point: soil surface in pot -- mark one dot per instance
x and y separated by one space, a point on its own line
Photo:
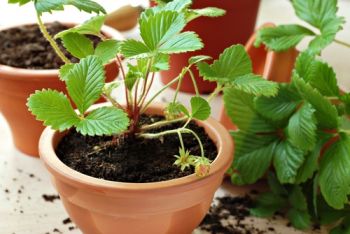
130 159
26 47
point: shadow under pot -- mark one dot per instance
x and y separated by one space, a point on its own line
99 206
274 66
29 71
235 27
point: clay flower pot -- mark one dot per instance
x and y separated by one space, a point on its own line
274 66
105 207
16 84
217 34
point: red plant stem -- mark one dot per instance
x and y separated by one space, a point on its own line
145 83
119 63
148 89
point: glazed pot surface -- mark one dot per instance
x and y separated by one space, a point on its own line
169 207
16 85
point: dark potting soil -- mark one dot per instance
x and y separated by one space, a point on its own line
131 159
26 47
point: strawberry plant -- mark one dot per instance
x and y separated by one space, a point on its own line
161 30
302 133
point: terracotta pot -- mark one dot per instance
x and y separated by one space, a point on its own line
217 34
16 84
274 66
105 207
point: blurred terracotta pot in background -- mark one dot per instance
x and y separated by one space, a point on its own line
217 34
274 66
16 84
175 206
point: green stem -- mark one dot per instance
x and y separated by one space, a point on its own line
51 40
159 92
177 131
187 122
183 72
199 141
194 82
181 140
342 43
162 123
217 90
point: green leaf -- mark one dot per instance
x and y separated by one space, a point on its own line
91 27
343 228
304 65
240 108
177 5
53 108
200 108
180 43
232 63
282 37
307 170
246 142
161 63
275 186
173 110
78 45
315 12
208 12
256 85
107 50
297 199
136 49
104 121
287 161
20 2
300 219
345 98
302 128
326 114
327 214
279 107
64 70
320 75
164 25
253 165
335 173
267 204
89 6
198 58
328 33
85 82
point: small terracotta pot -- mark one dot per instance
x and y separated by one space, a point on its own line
217 34
105 207
16 84
274 66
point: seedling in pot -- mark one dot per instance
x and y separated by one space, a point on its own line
161 30
302 131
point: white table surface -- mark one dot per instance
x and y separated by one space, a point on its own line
23 179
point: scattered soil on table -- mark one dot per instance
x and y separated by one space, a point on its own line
67 221
131 159
50 198
25 47
227 214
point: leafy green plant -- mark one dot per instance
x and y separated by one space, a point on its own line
301 133
161 30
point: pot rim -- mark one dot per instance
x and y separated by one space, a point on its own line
217 132
23 73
